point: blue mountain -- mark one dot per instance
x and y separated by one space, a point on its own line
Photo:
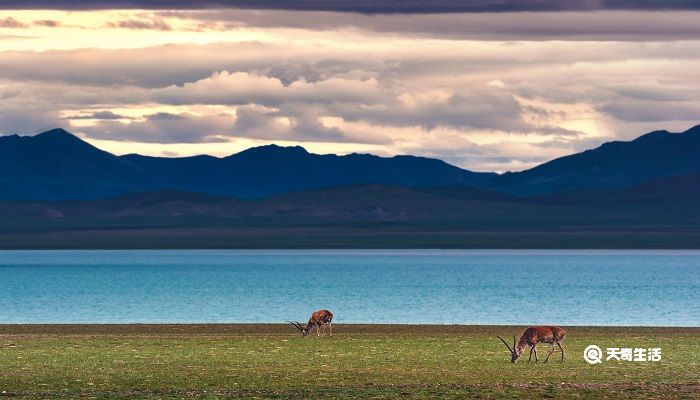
266 170
614 165
57 165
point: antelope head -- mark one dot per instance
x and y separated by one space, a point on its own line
514 353
304 331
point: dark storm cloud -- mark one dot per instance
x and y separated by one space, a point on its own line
561 25
363 6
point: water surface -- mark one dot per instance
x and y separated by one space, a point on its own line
659 288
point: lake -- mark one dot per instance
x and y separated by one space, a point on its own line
651 288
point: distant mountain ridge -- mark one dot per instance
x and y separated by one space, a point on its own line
439 208
613 165
266 170
56 165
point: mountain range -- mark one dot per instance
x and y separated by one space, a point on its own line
614 165
57 191
56 165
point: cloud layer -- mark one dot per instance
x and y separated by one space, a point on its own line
362 6
487 91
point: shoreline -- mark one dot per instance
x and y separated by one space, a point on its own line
339 238
238 329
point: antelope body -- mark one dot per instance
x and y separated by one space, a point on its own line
533 336
319 319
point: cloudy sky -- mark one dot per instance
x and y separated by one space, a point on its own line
490 85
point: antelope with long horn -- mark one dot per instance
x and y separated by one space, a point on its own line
534 335
319 319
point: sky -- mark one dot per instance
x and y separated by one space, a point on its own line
488 85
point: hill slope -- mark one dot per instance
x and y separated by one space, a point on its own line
56 165
266 170
358 216
614 165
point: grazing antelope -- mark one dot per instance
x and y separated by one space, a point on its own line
534 335
319 319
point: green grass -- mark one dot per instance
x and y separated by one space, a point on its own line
362 361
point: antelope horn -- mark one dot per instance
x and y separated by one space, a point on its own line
296 325
504 342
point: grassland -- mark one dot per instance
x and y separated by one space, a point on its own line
359 361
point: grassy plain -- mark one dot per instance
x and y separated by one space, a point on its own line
359 361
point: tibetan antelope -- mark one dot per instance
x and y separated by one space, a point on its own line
319 319
534 335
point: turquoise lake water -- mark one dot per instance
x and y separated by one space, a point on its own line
654 288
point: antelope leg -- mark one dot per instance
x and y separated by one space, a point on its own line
562 351
551 350
534 349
